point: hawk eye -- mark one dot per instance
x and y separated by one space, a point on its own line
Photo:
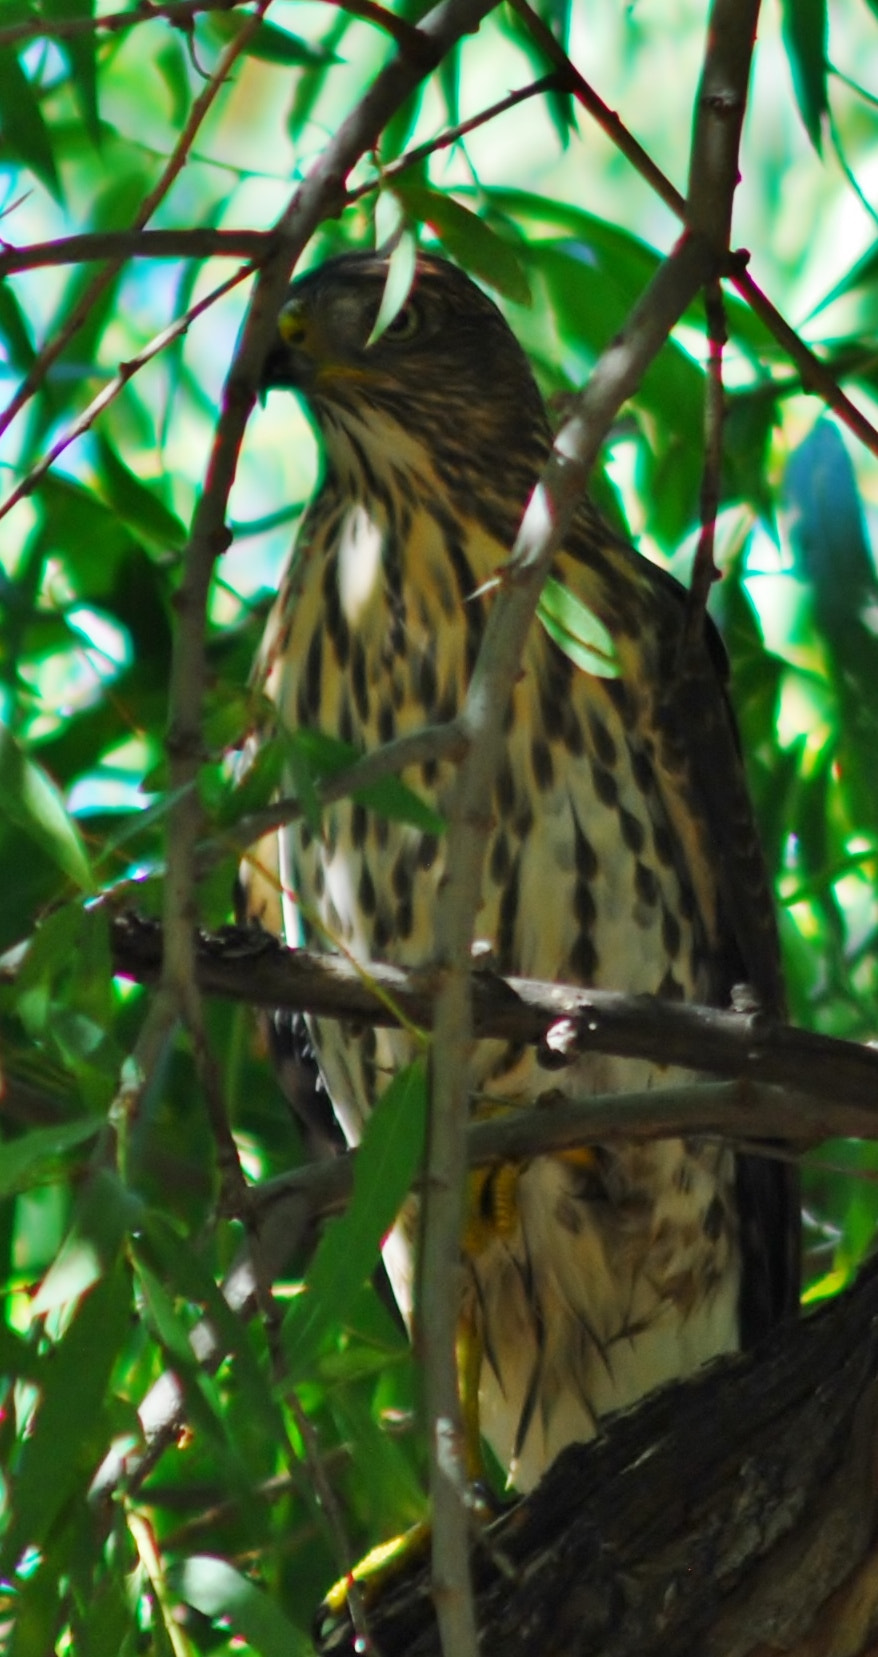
405 324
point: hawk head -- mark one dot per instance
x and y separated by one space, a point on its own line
446 375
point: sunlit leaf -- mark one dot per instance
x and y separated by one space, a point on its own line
80 49
105 1210
397 285
577 631
217 1590
54 1457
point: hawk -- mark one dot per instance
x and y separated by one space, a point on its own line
622 849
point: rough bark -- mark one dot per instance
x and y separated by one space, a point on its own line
730 1516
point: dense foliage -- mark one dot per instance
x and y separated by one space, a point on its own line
188 118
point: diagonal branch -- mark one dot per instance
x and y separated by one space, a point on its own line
815 375
548 514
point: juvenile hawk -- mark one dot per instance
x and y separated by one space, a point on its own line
622 851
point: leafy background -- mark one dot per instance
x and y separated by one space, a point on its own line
110 1238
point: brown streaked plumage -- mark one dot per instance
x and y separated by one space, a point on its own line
622 854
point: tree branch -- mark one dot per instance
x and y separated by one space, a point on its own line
134 244
563 1020
816 376
719 1516
546 520
101 281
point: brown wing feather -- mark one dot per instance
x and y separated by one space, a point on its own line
684 700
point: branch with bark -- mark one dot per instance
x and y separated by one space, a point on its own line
733 1515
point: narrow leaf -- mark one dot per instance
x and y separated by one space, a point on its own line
323 756
216 1589
468 239
136 502
268 43
22 124
804 26
397 285
386 1165
38 1155
60 1448
577 631
80 51
29 798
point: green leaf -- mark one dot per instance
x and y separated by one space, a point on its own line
386 1164
80 51
136 503
468 238
16 330
322 756
268 43
804 25
400 272
62 1445
29 798
105 1211
38 1155
18 1360
181 1267
216 1589
861 275
577 631
22 124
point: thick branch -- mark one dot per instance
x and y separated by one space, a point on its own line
720 1514
562 1019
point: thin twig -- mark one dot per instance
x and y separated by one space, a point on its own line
704 570
451 135
101 281
181 14
321 193
432 742
107 395
545 523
